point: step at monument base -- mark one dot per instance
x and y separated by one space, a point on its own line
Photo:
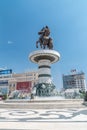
44 104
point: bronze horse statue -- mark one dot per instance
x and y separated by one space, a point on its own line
44 39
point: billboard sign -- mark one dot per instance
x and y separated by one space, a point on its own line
24 86
6 71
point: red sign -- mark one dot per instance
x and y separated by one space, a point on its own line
24 86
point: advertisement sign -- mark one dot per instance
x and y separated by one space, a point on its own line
24 86
6 71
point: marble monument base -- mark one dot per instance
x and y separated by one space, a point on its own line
44 59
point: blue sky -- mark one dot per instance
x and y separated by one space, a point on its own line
20 21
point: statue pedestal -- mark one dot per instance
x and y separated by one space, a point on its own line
44 59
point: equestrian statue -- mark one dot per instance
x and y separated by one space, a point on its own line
44 40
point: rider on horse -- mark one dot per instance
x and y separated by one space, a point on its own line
44 39
44 33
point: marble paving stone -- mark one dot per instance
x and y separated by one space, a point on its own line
43 115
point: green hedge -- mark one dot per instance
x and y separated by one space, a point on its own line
5 97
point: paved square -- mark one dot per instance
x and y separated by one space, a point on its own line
43 119
43 115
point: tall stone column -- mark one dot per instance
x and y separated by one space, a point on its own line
44 59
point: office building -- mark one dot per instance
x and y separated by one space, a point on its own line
23 82
74 81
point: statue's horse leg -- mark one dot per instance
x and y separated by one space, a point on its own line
50 43
41 45
44 47
41 42
37 43
44 44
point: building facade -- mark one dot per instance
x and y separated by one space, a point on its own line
11 82
5 75
74 81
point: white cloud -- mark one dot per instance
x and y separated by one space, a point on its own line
10 42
